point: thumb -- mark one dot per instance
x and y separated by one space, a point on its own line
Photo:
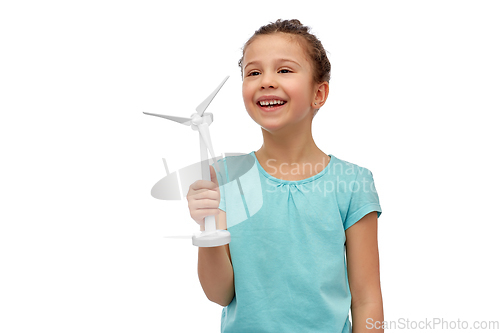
213 176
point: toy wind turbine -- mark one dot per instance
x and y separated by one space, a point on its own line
200 121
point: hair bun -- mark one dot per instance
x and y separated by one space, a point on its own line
295 22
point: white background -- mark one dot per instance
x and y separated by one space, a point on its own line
413 95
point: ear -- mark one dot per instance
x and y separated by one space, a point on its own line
320 95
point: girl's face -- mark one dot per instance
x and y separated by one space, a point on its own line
278 86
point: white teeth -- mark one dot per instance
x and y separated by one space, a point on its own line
273 102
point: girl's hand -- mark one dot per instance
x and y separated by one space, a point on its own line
203 198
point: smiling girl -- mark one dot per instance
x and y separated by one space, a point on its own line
285 268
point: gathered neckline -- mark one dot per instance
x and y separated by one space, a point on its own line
292 182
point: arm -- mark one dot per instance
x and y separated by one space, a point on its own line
215 269
364 275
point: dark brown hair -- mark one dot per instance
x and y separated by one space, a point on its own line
311 43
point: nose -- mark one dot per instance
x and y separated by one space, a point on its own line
268 81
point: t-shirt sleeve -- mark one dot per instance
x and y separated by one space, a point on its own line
364 198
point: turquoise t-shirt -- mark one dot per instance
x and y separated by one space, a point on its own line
288 244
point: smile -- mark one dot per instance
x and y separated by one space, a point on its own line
270 103
269 106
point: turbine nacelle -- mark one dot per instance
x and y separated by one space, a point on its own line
196 120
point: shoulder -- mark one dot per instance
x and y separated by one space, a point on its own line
344 169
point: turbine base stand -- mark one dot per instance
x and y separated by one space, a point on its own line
211 239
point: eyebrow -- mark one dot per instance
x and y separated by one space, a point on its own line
277 60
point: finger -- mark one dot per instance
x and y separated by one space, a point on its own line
213 176
209 194
205 204
203 185
208 211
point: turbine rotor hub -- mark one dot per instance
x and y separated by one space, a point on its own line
196 119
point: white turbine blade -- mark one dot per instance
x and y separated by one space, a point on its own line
203 106
184 121
205 134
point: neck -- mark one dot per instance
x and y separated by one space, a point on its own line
293 144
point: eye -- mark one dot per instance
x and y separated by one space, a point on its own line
284 71
253 73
